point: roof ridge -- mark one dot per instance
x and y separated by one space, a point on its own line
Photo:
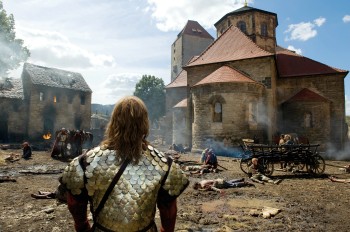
178 80
306 90
215 41
40 66
229 69
254 44
230 28
189 27
244 74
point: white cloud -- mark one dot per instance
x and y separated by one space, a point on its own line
320 21
173 15
51 48
346 18
116 86
297 50
304 31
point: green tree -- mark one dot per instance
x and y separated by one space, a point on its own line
12 51
151 90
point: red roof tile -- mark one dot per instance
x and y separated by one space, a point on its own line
307 95
180 80
181 104
195 29
224 74
290 64
231 45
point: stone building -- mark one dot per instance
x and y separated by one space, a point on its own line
192 40
246 86
43 101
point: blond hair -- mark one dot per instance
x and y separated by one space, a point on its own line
127 129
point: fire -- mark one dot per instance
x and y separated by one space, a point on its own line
47 136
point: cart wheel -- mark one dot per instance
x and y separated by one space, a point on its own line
268 168
244 165
317 165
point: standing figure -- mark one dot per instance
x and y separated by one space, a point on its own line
27 151
280 143
60 144
149 179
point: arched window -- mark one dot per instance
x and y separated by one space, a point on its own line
242 26
217 115
264 29
216 102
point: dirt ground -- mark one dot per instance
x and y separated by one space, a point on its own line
306 203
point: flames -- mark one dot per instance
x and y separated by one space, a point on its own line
47 136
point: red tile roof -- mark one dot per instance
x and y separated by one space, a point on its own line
224 74
181 104
180 80
307 95
231 45
195 29
290 64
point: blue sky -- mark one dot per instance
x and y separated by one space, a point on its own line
113 43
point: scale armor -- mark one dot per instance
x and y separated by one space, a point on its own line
130 206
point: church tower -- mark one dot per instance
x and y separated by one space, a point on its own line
258 25
191 41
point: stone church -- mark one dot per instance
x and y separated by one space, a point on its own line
243 85
42 101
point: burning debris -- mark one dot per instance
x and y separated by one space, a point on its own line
47 136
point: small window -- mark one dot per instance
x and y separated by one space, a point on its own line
252 110
82 99
217 116
264 29
175 68
41 96
228 23
242 26
56 98
308 120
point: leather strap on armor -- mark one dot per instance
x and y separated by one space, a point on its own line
109 189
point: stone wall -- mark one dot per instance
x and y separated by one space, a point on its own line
176 58
309 120
235 119
263 71
183 49
57 108
12 120
329 86
253 22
